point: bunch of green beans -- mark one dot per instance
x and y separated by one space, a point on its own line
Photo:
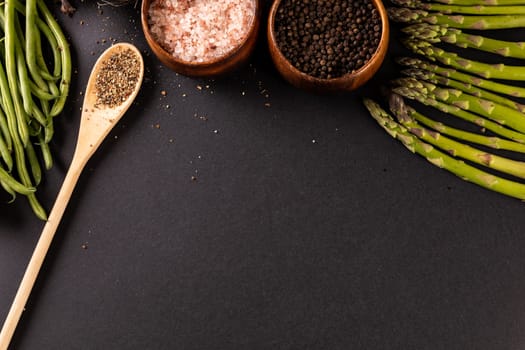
35 75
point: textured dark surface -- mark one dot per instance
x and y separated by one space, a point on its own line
305 225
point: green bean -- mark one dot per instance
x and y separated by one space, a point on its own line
34 164
39 116
53 89
55 50
18 187
11 64
33 51
49 89
64 54
46 152
39 70
53 45
8 190
20 35
26 179
49 130
7 105
44 28
42 94
31 40
23 65
23 81
37 207
6 154
45 108
4 128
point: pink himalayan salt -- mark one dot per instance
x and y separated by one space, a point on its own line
200 30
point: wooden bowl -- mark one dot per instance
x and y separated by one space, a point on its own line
348 82
223 65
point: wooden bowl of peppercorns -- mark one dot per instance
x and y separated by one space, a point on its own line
328 45
201 39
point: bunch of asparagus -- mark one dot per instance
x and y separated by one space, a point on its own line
478 129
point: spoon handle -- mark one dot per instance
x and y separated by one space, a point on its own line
40 251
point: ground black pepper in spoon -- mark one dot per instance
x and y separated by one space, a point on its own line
117 79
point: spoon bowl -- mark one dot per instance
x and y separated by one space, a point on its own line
96 122
98 119
345 83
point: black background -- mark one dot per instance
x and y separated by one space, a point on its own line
305 227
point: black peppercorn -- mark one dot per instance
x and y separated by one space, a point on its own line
334 37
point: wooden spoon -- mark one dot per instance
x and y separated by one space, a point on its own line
95 124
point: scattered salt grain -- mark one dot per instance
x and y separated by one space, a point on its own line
200 30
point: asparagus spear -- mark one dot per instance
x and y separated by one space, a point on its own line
406 15
482 2
485 70
465 87
410 115
436 33
494 111
441 159
452 110
480 22
455 148
489 141
516 91
475 9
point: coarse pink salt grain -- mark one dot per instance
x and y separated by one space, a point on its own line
200 30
